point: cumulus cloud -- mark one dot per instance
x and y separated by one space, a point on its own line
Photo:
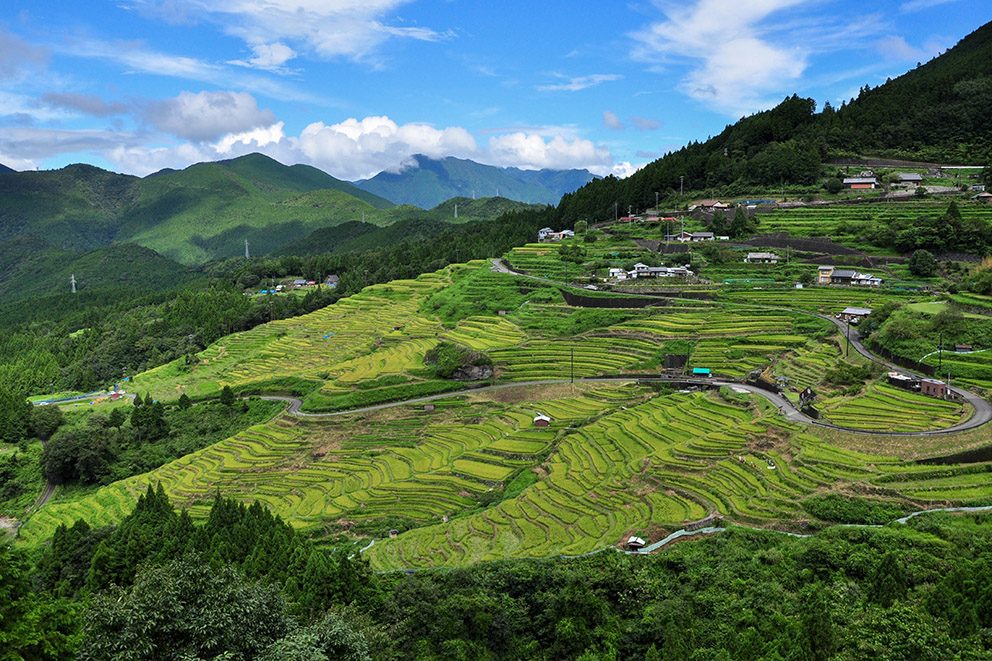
534 152
612 120
358 149
740 60
84 103
580 83
207 115
329 28
624 169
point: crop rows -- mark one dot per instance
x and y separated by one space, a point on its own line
484 333
884 408
560 359
416 469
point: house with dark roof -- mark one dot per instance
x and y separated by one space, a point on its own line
911 178
761 258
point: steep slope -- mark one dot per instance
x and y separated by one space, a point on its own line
4 169
31 267
429 182
936 112
193 215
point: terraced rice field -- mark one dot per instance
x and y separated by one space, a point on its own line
616 460
825 300
657 465
419 465
378 331
833 221
885 408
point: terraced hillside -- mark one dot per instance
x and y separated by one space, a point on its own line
474 479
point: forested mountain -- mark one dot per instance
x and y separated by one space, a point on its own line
430 182
30 267
936 112
411 224
4 169
193 215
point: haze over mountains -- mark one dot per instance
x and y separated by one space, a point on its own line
429 182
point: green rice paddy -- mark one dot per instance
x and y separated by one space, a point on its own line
616 460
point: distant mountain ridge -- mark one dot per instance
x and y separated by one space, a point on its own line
431 181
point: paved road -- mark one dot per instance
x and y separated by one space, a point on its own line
982 408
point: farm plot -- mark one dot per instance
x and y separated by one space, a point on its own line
483 333
353 336
314 472
556 359
884 408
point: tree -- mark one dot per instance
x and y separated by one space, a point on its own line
227 396
30 628
45 420
833 185
184 402
581 226
922 264
740 226
185 609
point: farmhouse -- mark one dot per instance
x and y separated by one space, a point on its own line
933 387
635 543
902 381
853 315
299 282
761 258
859 183
701 236
911 178
681 236
830 275
983 197
331 281
541 420
546 235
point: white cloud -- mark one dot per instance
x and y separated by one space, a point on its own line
534 152
35 144
329 28
624 169
612 120
580 83
270 57
207 115
742 63
355 149
920 5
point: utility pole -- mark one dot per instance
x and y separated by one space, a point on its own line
247 256
456 212
848 324
72 281
615 216
656 201
573 364
681 177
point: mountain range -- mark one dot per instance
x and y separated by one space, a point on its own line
429 182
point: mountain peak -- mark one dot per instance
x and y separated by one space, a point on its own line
427 182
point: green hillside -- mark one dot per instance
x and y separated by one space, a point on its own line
30 267
203 212
936 112
430 182
399 224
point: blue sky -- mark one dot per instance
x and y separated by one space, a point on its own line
358 86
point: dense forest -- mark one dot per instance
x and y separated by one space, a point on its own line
244 585
89 340
936 112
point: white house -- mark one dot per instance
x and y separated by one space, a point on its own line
761 258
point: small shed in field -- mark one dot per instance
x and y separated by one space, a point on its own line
541 420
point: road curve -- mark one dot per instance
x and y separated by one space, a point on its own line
982 408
